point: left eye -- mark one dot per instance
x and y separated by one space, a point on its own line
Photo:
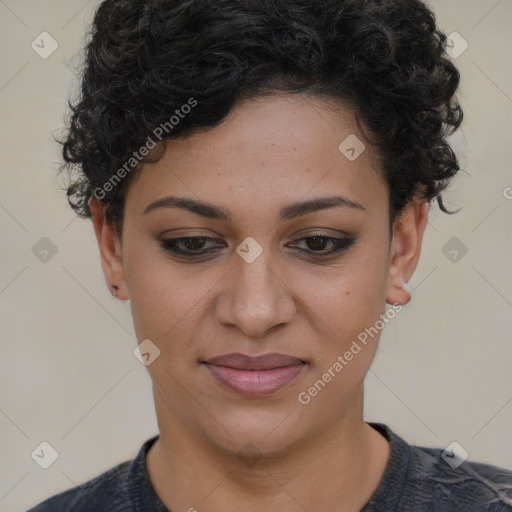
194 246
317 243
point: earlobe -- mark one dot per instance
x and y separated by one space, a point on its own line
110 250
408 233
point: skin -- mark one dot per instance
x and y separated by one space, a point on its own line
268 153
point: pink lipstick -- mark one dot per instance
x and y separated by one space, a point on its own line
255 376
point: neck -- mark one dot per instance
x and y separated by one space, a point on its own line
338 469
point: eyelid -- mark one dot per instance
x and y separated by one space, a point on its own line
305 233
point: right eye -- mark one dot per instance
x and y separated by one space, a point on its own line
192 245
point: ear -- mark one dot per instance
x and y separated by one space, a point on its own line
408 232
110 250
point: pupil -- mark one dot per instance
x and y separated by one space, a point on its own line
193 243
320 243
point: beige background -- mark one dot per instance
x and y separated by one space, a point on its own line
67 372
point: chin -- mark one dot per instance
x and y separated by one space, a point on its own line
258 433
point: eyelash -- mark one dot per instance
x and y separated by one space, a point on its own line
340 245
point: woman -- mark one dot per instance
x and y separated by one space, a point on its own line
258 175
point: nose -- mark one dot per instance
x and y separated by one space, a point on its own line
256 299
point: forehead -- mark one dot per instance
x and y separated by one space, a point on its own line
268 151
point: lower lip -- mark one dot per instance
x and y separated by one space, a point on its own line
255 382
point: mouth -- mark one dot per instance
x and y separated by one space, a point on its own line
255 376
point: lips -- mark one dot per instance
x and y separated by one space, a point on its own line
255 376
263 362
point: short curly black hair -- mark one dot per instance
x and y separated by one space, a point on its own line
146 60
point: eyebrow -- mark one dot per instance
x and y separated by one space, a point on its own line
288 212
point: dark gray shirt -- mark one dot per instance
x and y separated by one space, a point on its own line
416 479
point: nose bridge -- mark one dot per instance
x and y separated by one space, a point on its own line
256 279
258 298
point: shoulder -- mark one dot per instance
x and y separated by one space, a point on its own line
465 485
121 488
108 491
427 479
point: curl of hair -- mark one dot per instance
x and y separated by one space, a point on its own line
146 58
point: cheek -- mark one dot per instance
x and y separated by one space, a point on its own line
159 296
350 296
350 307
168 300
350 304
162 304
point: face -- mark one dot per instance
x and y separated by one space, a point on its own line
288 252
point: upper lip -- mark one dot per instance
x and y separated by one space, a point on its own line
264 362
